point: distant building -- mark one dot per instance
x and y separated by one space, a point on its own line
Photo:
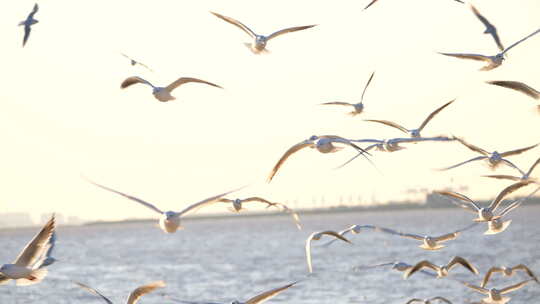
16 219
60 220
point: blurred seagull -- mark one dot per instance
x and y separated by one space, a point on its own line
25 269
429 301
494 294
169 221
323 144
133 296
490 28
286 209
358 107
442 271
398 266
415 133
48 259
28 22
525 177
430 242
317 236
491 61
259 41
494 159
518 86
258 299
485 214
164 93
354 229
134 62
507 272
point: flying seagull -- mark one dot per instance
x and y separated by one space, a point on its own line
442 271
133 296
429 301
490 28
357 107
47 258
317 236
169 221
25 269
164 93
494 295
518 86
491 61
354 229
507 272
259 41
526 176
135 62
323 144
415 133
28 22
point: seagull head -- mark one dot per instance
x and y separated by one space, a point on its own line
260 42
170 214
415 133
314 137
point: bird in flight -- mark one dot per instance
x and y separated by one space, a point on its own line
315 236
134 296
164 93
357 107
507 272
494 295
134 62
442 271
490 28
28 22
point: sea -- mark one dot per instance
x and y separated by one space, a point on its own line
238 257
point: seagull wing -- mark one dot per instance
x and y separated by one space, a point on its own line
133 80
289 30
476 288
180 81
206 202
501 176
337 103
370 4
510 207
447 237
418 266
506 191
133 198
27 30
389 123
477 57
488 275
293 149
526 269
441 298
366 86
411 236
472 147
35 249
433 114
47 258
533 166
517 151
34 11
458 196
490 28
258 199
263 297
93 291
415 300
463 262
239 24
518 86
515 287
141 291
521 40
463 163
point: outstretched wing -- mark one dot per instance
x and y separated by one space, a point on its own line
182 80
527 270
133 80
490 28
27 30
517 151
506 191
389 123
292 150
518 86
35 249
289 30
515 287
472 147
463 163
458 196
141 291
366 86
502 176
337 103
258 199
477 57
370 4
418 266
93 291
488 275
533 166
237 23
463 262
263 297
521 40
205 202
433 114
447 237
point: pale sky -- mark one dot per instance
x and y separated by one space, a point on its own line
63 112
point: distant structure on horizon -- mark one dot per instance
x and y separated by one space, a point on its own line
15 219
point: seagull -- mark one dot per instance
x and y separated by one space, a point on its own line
28 22
133 296
525 177
518 86
507 272
259 41
354 229
324 144
164 93
398 266
25 269
494 159
358 107
485 214
317 236
429 301
430 242
490 28
169 221
134 62
48 259
414 133
442 271
260 298
494 294
491 61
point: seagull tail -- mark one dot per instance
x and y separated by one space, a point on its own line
36 276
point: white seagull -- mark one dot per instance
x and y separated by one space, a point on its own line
354 229
494 295
259 41
526 176
429 301
494 158
507 272
491 61
133 296
169 221
490 28
135 62
317 236
28 22
357 107
442 271
323 144
164 93
415 133
26 270
485 214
